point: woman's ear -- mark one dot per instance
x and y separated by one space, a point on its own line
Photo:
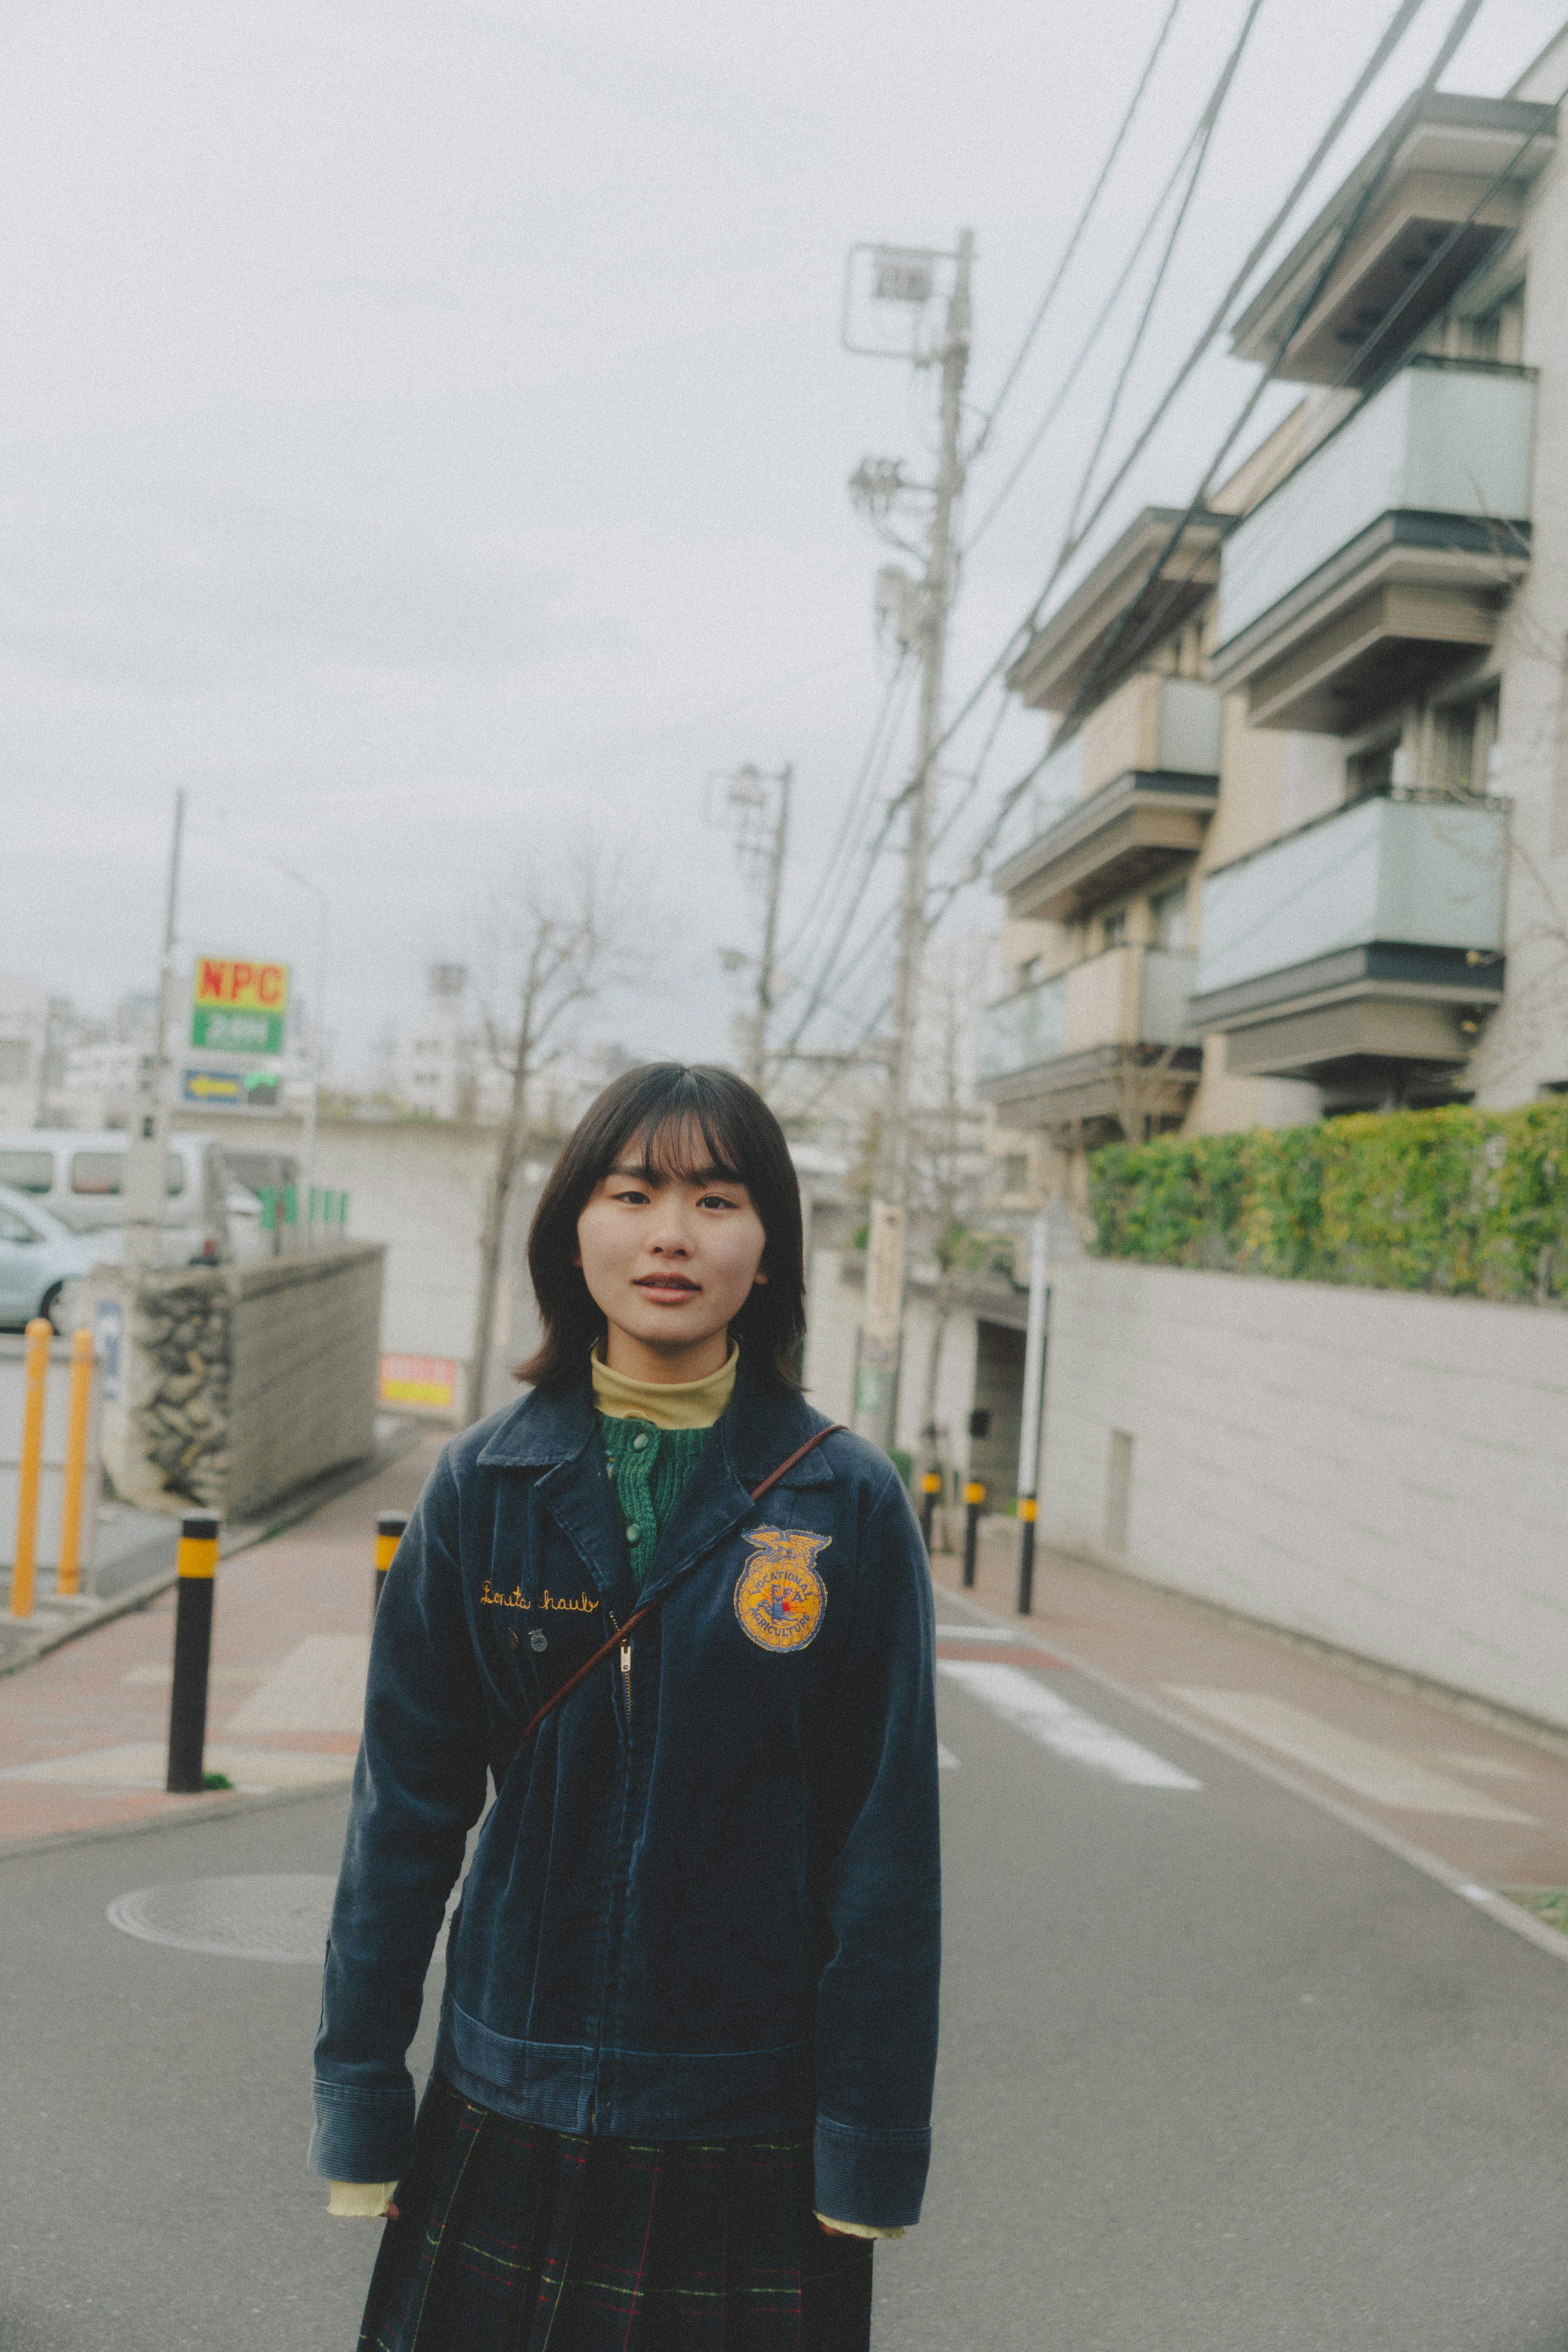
760 1275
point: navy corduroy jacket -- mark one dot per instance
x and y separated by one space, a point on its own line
705 1903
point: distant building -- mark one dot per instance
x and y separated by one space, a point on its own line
441 1063
24 1032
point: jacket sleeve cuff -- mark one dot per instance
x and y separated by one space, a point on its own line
361 2134
877 2177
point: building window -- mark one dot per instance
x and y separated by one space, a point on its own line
1462 735
1114 928
15 1058
1169 913
1015 1172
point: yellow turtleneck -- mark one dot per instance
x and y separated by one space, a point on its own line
668 1404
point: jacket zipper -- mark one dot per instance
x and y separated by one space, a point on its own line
626 1671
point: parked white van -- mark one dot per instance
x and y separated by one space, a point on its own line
79 1174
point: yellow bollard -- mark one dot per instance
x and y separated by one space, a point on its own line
69 1578
36 1373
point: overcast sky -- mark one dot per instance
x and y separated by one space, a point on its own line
425 433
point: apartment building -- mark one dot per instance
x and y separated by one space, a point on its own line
1299 844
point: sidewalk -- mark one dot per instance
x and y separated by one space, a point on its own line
1487 1796
83 1730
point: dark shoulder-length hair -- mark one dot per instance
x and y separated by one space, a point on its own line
682 1119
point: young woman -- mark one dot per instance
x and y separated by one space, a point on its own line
684 2070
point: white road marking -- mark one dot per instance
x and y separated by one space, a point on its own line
143 1764
1490 1766
977 1633
1030 1707
1379 1774
319 1687
946 1760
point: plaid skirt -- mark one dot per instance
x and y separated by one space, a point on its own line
511 2238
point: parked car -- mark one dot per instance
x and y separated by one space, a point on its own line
79 1175
38 1255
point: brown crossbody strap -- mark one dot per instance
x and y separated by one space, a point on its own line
624 1632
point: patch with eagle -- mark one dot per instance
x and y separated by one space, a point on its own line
779 1599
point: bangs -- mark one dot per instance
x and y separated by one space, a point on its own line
686 1145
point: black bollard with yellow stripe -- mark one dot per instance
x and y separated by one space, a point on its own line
192 1652
389 1526
930 1487
1026 1508
974 1504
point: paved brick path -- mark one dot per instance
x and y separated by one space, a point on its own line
289 1639
1487 1800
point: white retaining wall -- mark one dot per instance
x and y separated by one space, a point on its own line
1385 1471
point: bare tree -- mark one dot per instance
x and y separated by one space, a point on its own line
555 953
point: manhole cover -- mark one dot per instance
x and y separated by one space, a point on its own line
241 1919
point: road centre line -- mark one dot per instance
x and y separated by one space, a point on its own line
1486 1899
1044 1716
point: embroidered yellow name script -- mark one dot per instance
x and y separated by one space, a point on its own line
518 1599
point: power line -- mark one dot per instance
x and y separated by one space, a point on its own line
858 805
1107 308
1078 226
1459 28
1398 24
1207 124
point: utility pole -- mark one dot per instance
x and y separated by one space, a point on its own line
883 1321
146 1174
763 823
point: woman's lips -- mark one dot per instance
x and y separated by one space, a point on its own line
667 1290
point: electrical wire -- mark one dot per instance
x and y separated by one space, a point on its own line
1207 124
1403 16
1082 223
860 800
1081 357
1366 199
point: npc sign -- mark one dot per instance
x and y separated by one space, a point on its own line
238 1007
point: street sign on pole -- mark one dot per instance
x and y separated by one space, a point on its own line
239 1006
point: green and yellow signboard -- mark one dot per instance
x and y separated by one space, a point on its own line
238 1007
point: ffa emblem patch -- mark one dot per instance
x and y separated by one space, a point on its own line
779 1599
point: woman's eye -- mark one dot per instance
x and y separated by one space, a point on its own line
715 1201
635 1199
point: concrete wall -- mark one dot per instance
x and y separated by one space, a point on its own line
303 1376
419 1186
1388 1473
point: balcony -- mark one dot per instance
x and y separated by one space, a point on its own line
1099 1048
1368 939
1385 558
1158 743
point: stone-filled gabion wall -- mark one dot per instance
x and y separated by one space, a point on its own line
183 1324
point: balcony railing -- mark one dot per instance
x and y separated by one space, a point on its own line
1024 1031
1439 440
1125 998
1418 882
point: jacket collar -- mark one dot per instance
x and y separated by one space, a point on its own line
555 1433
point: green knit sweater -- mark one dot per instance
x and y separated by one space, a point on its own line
649 1467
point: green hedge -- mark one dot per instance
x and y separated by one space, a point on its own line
1452 1200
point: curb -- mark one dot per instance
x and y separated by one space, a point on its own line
245 1537
1485 1899
217 1808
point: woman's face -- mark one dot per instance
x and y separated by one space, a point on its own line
669 1261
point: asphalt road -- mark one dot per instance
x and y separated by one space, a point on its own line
1218 2075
